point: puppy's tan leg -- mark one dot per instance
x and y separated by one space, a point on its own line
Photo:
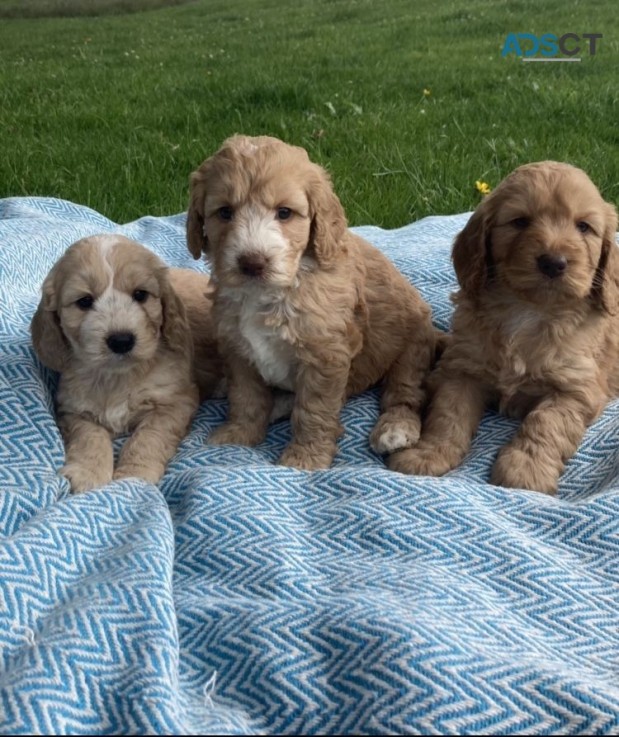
250 402
403 395
89 454
321 389
547 437
154 441
455 412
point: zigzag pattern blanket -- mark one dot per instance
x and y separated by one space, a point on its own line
241 597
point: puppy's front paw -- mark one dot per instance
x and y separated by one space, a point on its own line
433 461
230 434
516 469
84 478
306 459
390 435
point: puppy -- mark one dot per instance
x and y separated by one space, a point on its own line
302 304
111 320
535 329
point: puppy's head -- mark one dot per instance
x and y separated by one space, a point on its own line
107 303
258 207
546 234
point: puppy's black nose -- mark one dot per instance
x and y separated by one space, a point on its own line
252 264
552 266
120 342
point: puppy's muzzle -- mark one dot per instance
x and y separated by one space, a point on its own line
120 342
253 264
551 266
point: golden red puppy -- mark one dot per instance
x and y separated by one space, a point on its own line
535 330
302 304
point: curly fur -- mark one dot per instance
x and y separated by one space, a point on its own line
541 347
302 304
150 390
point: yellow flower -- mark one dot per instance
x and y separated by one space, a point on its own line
427 92
482 187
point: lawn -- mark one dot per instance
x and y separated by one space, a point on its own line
406 103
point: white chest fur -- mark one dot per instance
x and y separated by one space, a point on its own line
266 341
524 323
539 351
115 415
115 400
518 330
106 403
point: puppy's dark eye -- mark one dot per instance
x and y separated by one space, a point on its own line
583 227
283 213
140 295
85 303
521 223
225 213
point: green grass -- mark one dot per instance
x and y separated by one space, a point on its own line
114 112
76 8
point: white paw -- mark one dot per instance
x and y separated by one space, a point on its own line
387 437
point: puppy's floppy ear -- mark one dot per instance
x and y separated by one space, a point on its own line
471 251
48 340
329 224
175 330
197 242
605 290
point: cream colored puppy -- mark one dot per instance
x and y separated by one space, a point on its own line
302 304
112 321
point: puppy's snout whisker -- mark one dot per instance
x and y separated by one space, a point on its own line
253 264
552 266
120 342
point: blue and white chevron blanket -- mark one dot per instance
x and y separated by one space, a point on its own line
241 597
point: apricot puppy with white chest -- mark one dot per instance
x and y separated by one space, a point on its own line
302 304
535 329
113 321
